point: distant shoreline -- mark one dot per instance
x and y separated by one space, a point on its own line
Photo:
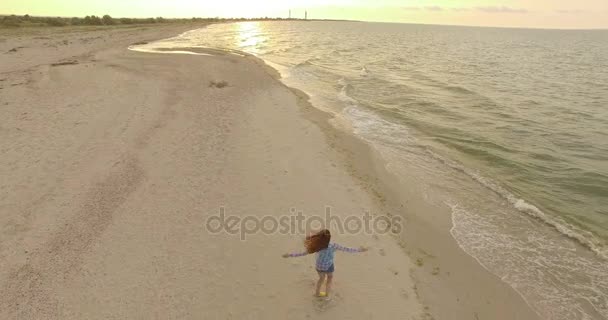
27 21
58 21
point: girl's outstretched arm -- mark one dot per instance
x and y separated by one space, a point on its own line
293 255
347 249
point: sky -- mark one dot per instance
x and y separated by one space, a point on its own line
562 14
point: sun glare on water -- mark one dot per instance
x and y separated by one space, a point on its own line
250 36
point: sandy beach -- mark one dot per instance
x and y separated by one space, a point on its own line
112 162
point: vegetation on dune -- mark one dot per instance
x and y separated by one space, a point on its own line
106 20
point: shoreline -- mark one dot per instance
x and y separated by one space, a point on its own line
170 151
366 164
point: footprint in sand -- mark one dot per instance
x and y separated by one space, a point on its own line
326 303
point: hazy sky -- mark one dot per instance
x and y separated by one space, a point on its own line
509 13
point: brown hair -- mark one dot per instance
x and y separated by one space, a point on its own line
318 241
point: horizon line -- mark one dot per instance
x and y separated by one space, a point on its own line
328 19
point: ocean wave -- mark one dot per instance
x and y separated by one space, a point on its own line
369 125
532 267
458 89
366 123
583 237
343 94
307 62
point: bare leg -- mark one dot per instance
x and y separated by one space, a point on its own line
330 277
319 283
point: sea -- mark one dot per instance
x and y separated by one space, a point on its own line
508 128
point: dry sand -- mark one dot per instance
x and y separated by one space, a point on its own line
112 160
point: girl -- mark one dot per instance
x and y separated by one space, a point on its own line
319 243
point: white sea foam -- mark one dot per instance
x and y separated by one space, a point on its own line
343 94
535 263
368 124
153 50
583 237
